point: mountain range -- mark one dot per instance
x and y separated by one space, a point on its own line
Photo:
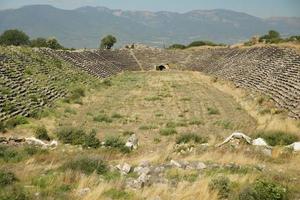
83 27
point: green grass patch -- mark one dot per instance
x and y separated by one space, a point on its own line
153 98
180 175
167 131
224 124
103 118
191 137
7 178
117 194
213 111
86 165
274 138
148 127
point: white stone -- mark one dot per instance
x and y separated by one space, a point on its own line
126 168
201 165
259 142
295 146
175 163
236 135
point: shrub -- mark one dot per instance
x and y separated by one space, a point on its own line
116 143
222 185
103 118
186 138
263 190
42 133
18 120
274 138
70 135
7 178
167 131
213 111
74 136
14 37
107 82
9 154
196 122
91 140
87 165
75 95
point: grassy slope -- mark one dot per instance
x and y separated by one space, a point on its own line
144 103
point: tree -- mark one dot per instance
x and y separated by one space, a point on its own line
177 46
52 43
108 42
14 37
39 42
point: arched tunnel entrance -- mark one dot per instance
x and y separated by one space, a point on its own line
161 67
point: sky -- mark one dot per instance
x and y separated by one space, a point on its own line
260 8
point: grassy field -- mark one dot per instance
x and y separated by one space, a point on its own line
159 107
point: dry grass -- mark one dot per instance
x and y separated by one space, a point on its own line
126 97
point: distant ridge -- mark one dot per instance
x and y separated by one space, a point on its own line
83 27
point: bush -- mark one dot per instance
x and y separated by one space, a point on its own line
274 138
91 140
263 190
2 127
74 136
186 138
7 178
116 143
87 165
14 37
18 120
222 185
75 95
70 135
167 131
42 133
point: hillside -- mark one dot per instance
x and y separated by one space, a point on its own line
83 27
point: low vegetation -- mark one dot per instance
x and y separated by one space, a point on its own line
42 133
86 165
191 137
274 138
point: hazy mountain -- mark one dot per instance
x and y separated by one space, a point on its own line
83 27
